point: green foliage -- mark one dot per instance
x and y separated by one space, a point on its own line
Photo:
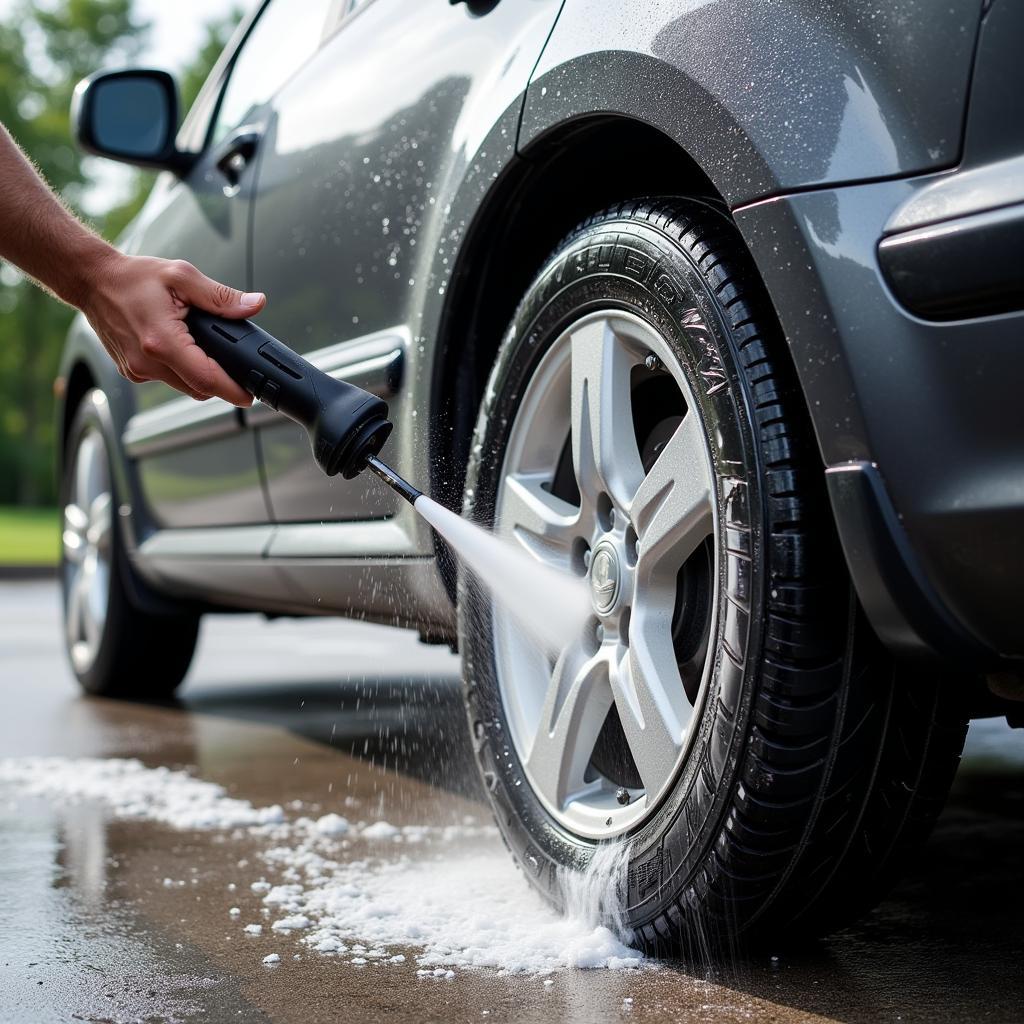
216 34
44 52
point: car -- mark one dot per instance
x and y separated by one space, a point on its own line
717 305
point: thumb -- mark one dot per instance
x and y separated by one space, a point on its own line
214 297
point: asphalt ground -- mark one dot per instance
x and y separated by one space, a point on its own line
343 715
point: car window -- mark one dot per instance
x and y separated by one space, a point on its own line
284 37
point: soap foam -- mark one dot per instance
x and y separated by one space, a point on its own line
350 890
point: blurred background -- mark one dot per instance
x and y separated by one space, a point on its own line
45 49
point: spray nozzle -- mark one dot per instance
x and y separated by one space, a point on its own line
344 439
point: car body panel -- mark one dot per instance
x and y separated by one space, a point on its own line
768 96
995 119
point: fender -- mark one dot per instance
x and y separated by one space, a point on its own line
768 96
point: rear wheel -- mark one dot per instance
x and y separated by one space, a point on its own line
726 714
115 649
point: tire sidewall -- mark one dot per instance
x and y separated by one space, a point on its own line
623 264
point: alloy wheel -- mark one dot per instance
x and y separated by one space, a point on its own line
608 474
87 541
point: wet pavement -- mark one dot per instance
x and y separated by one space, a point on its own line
276 712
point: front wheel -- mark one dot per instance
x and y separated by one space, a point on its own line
726 716
115 649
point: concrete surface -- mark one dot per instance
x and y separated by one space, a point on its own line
310 711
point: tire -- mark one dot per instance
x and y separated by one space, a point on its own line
812 764
115 649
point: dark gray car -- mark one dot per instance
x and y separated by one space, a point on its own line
717 303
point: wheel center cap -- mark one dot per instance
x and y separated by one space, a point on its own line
604 578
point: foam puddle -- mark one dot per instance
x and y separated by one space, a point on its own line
351 890
131 790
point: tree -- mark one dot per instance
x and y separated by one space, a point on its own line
68 40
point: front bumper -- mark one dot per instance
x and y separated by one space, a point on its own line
920 422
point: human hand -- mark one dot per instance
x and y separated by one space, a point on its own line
137 306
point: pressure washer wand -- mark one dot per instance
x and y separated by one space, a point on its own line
347 426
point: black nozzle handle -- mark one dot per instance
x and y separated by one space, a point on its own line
346 425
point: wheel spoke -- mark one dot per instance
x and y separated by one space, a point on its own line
100 522
604 449
87 483
74 618
95 609
650 697
574 710
75 524
540 521
672 510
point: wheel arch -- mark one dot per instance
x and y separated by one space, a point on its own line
79 381
542 195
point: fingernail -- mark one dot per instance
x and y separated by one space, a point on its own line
252 298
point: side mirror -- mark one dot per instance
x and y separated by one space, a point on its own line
131 116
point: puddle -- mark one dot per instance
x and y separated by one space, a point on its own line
67 951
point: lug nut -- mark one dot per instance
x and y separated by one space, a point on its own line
622 795
599 633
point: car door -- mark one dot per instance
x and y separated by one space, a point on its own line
197 462
350 193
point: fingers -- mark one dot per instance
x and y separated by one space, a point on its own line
190 362
152 370
139 369
196 289
169 377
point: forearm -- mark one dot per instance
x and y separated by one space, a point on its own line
40 236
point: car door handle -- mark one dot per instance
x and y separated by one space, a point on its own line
477 7
235 154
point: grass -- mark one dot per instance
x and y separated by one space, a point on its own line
29 536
